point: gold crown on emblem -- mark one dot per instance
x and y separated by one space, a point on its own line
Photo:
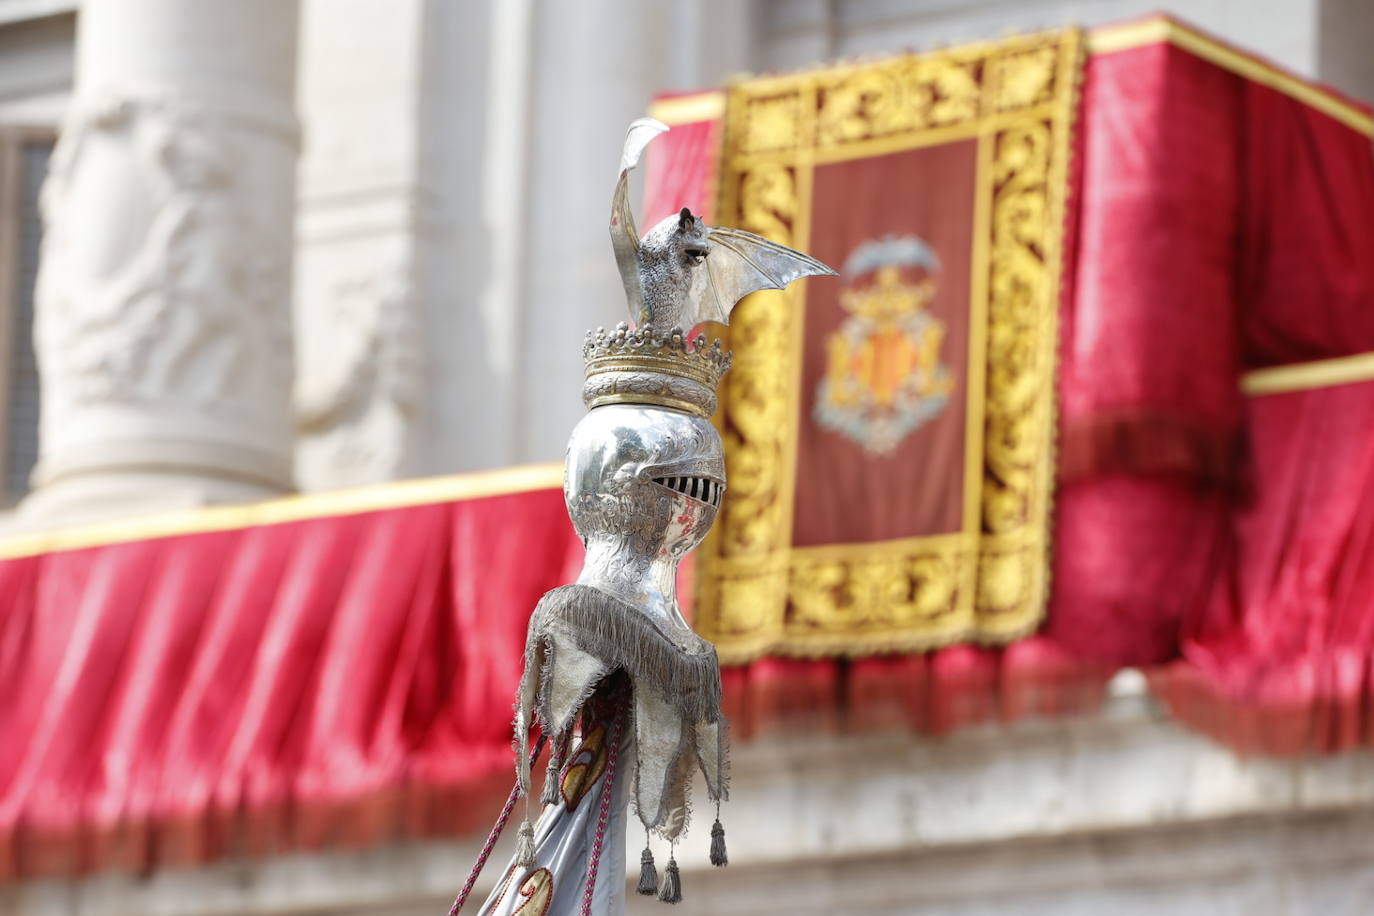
888 297
641 366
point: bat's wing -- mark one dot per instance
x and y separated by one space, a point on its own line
624 238
741 262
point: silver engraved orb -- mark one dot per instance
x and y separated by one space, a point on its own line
643 484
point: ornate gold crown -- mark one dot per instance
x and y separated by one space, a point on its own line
641 367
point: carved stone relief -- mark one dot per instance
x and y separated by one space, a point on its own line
358 389
165 272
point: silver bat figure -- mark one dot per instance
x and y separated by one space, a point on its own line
684 272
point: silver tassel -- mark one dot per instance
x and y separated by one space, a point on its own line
551 795
524 845
671 889
648 874
719 857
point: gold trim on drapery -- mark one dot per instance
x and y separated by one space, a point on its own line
988 582
397 495
688 109
1163 29
1319 373
1108 39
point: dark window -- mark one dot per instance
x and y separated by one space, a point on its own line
20 389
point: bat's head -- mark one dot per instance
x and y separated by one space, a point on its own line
678 244
689 239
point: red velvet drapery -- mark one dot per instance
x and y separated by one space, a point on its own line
1150 410
1278 660
336 680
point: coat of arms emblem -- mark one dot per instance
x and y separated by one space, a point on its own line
884 378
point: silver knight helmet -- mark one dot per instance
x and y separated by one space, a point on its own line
623 691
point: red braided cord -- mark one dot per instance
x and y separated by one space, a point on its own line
495 834
607 790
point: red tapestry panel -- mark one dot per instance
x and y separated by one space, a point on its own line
882 420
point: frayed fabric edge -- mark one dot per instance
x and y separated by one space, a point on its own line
623 637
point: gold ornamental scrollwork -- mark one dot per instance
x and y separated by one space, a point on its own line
756 593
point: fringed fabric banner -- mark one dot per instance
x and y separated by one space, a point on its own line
890 437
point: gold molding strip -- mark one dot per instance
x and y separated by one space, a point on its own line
1111 38
689 109
1319 373
707 106
398 495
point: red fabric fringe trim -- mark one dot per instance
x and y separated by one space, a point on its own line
932 693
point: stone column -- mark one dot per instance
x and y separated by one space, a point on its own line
164 324
369 213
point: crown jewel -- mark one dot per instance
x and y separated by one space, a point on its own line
642 366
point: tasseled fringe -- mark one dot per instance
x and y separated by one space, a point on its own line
551 795
648 874
670 891
621 636
719 857
524 845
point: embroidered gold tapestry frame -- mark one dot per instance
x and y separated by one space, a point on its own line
768 583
